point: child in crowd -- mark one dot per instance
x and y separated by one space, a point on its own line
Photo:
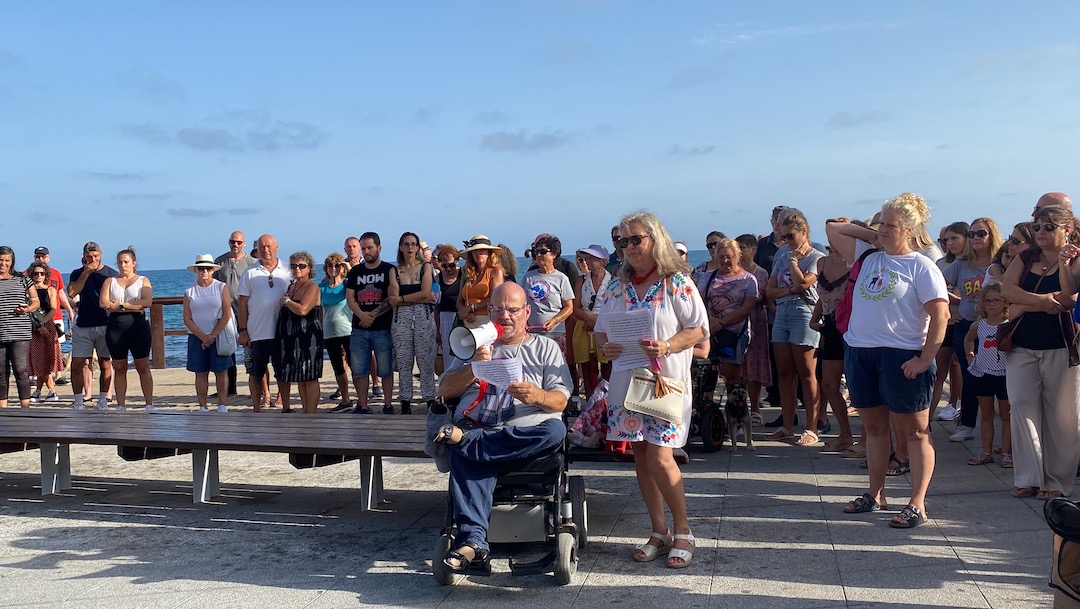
988 368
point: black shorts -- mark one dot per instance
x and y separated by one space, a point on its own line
127 333
257 357
334 349
989 385
832 341
947 342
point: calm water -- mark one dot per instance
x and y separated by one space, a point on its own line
173 282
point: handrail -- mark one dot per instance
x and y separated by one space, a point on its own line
158 331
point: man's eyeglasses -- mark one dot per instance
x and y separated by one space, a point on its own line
541 251
300 265
496 310
1048 227
631 240
710 245
236 241
977 234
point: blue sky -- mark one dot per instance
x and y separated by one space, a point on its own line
167 125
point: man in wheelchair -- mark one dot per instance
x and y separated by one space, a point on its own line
493 425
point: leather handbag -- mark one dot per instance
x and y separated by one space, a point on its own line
655 395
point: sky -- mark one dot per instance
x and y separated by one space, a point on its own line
168 125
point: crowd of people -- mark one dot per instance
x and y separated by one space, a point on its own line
780 318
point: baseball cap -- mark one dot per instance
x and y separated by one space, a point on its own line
91 246
41 250
681 247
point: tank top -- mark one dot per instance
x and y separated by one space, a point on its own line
450 293
477 291
118 293
988 359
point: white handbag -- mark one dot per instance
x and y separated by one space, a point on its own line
655 395
226 341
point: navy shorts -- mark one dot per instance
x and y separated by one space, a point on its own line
989 385
874 378
260 352
205 360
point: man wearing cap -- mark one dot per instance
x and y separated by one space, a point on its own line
56 280
261 288
88 334
233 263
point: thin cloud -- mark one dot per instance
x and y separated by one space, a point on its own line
847 120
740 34
677 150
375 190
144 196
233 131
242 211
1027 60
190 212
424 116
491 117
690 77
522 141
127 176
152 85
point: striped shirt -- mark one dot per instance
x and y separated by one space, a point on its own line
13 294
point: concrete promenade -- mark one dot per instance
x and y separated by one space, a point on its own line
770 532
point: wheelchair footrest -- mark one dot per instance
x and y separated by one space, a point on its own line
537 567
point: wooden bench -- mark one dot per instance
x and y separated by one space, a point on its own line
311 440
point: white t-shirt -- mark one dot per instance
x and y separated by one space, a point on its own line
887 304
264 297
205 304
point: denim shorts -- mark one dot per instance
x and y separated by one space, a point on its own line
792 325
205 360
874 378
361 345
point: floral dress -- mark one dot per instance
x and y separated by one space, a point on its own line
674 304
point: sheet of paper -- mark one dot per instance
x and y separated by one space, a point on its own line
499 372
626 329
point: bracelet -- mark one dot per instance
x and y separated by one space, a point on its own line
287 300
238 330
668 354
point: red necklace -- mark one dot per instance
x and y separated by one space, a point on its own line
636 280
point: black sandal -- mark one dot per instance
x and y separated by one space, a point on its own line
861 505
456 562
908 518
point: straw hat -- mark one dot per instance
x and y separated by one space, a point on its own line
204 261
479 242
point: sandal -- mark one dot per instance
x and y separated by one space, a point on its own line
686 556
807 438
908 518
855 451
456 562
1006 460
1048 495
756 420
864 504
649 552
836 445
897 467
982 459
781 433
1024 491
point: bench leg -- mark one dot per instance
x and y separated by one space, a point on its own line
204 474
55 468
371 482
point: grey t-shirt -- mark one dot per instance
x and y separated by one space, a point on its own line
546 294
967 282
543 365
782 271
230 273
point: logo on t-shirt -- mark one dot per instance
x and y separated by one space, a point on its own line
878 284
539 291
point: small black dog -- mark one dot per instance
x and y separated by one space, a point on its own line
737 410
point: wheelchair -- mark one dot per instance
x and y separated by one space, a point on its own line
708 419
535 501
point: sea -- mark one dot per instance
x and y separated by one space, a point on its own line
173 282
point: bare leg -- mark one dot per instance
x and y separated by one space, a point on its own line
80 366
667 483
986 423
754 389
285 395
916 427
878 446
309 396
1006 426
805 359
202 387
146 380
786 378
221 379
105 381
255 386
831 370
120 379
388 390
361 385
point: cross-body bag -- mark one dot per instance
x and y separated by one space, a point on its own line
1007 329
843 310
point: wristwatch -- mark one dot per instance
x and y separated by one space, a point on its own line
122 306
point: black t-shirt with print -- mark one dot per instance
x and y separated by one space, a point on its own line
372 287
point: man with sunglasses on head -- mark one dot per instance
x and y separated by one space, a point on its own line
261 288
233 263
1052 199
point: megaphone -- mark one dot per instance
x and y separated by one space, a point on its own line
465 341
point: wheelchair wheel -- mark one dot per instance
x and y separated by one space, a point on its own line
712 427
566 558
581 509
443 576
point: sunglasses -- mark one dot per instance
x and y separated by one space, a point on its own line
38 274
205 269
977 234
631 240
301 266
496 310
542 251
710 245
592 301
614 238
1048 227
787 236
1015 241
409 244
270 280
581 259
449 265
334 265
235 242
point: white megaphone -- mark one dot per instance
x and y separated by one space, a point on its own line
465 341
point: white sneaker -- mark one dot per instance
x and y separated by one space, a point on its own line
52 397
102 404
119 408
203 409
962 433
949 413
223 408
150 408
36 396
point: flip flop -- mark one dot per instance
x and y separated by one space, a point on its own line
1024 491
836 446
855 451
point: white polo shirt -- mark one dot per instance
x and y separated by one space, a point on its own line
264 290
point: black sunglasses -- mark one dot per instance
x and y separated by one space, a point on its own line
449 265
631 240
38 273
710 245
299 265
981 234
270 280
1015 241
787 236
1048 227
540 251
235 242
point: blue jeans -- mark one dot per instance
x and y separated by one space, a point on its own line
362 343
474 469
